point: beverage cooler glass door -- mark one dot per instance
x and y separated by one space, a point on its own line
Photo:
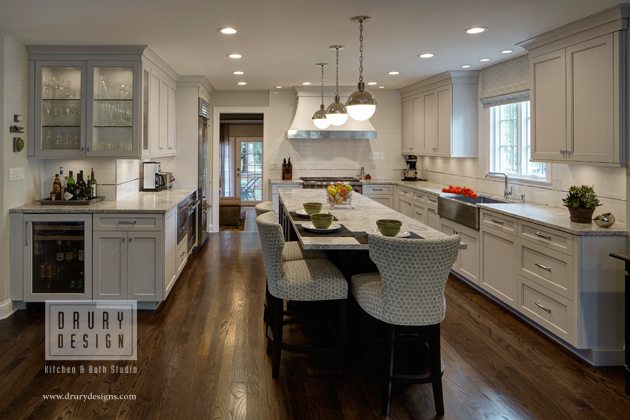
58 257
59 109
113 109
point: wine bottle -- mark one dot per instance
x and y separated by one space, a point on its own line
55 193
69 192
63 180
92 183
61 254
79 188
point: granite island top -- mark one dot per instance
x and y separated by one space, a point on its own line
361 218
139 202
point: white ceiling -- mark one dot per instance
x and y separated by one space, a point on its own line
281 40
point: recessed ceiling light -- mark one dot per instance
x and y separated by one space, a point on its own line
393 73
278 87
483 60
235 56
466 66
238 73
372 83
476 30
426 55
241 83
381 87
306 83
507 52
227 30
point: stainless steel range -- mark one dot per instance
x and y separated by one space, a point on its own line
323 181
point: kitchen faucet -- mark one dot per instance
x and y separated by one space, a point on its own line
506 193
362 174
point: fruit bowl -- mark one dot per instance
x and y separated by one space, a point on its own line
339 194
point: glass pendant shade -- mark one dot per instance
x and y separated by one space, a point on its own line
319 118
337 113
361 104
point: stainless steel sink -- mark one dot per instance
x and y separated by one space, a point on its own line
463 210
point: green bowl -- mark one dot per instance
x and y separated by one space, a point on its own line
388 227
321 220
312 208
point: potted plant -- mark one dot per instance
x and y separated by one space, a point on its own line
581 202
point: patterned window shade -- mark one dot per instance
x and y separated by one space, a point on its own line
505 83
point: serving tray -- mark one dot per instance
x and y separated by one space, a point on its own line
49 202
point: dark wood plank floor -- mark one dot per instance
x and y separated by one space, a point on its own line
202 355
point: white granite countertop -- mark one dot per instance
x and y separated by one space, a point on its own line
285 181
140 202
555 217
361 218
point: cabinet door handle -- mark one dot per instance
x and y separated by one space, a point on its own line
122 240
544 267
377 189
88 148
26 224
562 152
432 210
432 201
540 305
127 222
498 222
435 148
81 148
130 239
540 235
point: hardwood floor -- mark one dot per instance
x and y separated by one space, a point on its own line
202 355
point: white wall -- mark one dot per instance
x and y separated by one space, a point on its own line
609 182
14 100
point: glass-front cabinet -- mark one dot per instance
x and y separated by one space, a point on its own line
58 257
85 104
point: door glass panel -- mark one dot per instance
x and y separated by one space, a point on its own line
61 108
113 109
251 170
58 257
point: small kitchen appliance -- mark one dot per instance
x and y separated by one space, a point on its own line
165 180
411 172
150 176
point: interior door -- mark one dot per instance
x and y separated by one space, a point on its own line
249 175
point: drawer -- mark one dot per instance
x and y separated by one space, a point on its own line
128 222
182 253
432 200
420 213
497 222
378 189
550 269
419 197
547 309
405 193
551 238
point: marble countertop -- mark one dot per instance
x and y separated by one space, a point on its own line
142 201
285 181
361 218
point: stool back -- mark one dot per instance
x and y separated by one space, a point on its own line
414 274
272 243
263 207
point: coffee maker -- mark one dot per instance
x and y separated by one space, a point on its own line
411 172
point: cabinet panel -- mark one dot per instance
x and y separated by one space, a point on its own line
433 219
498 268
420 213
370 190
407 126
548 268
590 95
163 121
145 274
444 115
170 251
110 265
170 141
548 95
385 200
548 237
468 258
154 113
418 125
431 123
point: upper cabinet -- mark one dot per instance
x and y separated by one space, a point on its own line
578 76
94 101
440 115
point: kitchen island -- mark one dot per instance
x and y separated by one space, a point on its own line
133 248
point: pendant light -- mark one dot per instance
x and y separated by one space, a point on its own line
319 117
336 112
361 104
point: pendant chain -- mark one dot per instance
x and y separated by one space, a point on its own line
322 83
361 51
337 74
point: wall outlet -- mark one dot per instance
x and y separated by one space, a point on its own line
17 174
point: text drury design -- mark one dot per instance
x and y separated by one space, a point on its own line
91 330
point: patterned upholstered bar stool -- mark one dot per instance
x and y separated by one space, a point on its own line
263 207
299 280
408 290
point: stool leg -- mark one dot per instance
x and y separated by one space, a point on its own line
436 368
343 334
389 368
276 322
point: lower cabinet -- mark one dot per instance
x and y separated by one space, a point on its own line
404 201
498 258
381 193
467 263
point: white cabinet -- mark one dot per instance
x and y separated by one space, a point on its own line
161 113
382 193
467 264
128 258
433 218
498 257
170 250
443 110
578 108
404 198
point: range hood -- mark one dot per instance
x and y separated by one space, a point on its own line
308 101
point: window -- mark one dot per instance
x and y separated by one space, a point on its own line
510 148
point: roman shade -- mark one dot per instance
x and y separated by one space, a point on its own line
505 83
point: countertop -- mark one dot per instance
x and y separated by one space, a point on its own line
361 218
142 201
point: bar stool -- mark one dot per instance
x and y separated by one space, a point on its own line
408 291
263 207
300 280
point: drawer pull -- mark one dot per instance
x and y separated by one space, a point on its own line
498 222
377 189
544 267
541 235
127 222
433 200
432 210
540 305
